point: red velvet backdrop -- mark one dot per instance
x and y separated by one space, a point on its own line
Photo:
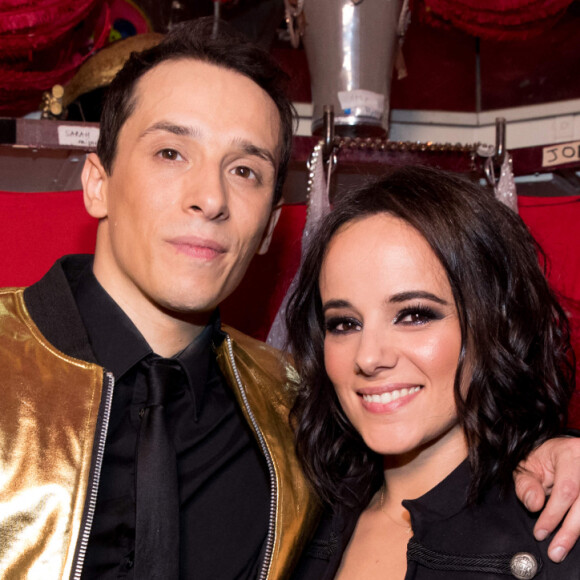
37 228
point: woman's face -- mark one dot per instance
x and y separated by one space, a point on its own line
392 339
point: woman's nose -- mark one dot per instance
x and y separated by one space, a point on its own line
376 351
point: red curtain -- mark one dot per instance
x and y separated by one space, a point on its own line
43 43
554 222
493 19
37 228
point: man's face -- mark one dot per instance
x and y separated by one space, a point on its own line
190 193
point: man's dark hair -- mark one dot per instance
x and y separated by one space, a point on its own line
515 335
196 40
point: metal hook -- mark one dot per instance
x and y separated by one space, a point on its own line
216 18
294 21
500 150
328 129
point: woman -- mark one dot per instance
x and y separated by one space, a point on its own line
433 357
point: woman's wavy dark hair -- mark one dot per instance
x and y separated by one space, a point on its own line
514 330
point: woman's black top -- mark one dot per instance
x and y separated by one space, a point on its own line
453 539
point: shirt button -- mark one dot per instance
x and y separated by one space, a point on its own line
524 566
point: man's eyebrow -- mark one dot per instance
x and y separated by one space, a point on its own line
414 294
250 149
166 126
187 131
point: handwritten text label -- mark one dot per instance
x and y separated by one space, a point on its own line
560 154
78 136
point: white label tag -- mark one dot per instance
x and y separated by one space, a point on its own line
362 103
559 154
78 136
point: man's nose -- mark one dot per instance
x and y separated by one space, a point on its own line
206 193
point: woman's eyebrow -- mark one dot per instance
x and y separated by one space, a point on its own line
335 304
414 294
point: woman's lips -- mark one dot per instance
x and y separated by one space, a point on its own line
381 400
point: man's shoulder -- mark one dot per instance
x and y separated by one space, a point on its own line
10 292
261 360
11 304
250 343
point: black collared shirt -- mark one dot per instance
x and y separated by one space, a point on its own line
223 479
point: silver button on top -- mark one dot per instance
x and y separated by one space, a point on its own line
524 566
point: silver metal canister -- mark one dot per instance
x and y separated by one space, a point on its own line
351 46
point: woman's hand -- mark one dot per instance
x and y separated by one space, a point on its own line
553 470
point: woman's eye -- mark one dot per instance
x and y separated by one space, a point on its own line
342 325
416 316
170 154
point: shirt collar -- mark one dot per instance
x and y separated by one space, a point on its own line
445 500
196 360
119 346
115 340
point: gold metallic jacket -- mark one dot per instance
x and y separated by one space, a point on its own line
54 412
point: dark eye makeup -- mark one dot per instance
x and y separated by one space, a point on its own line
341 325
417 315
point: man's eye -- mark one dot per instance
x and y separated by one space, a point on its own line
245 172
342 325
169 154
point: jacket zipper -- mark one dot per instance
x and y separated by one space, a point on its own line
92 492
273 482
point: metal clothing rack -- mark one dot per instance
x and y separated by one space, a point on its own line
334 144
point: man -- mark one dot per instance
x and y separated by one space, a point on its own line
196 136
195 139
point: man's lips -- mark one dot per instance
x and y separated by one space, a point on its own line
197 247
